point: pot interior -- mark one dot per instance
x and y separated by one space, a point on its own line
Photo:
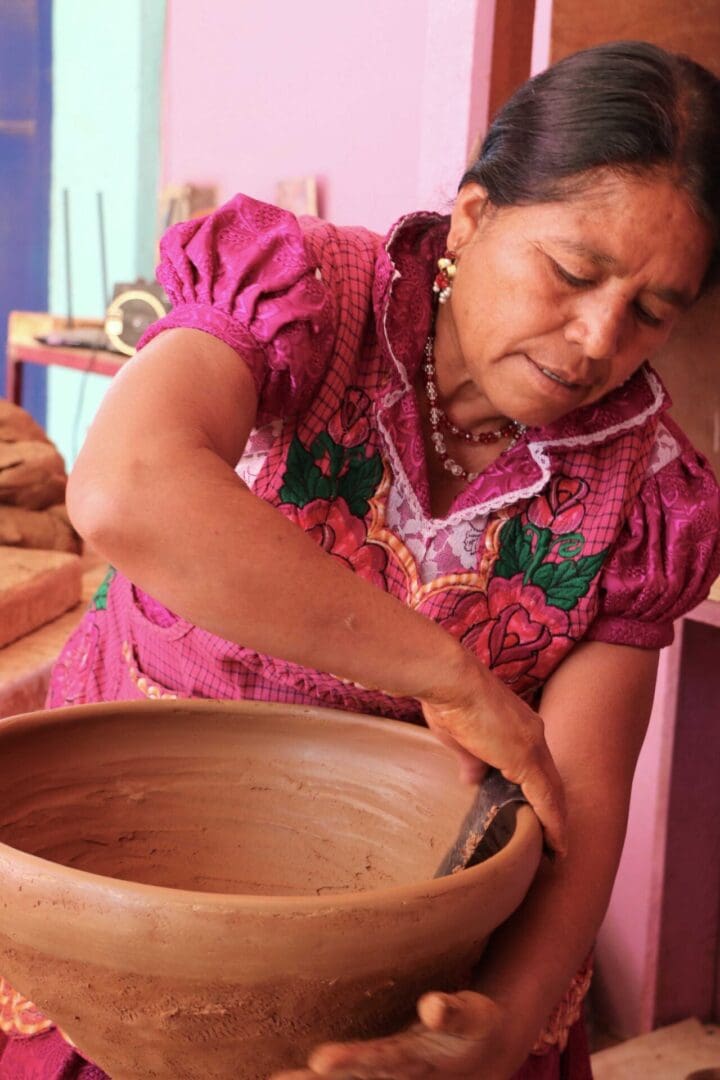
225 798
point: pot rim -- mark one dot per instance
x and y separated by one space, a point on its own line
136 894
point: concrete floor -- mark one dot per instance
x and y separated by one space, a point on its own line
688 1050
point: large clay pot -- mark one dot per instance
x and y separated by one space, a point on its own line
203 889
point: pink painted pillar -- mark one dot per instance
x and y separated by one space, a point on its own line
541 36
626 961
658 954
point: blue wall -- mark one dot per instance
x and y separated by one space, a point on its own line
25 114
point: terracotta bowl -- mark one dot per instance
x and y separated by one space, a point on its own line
204 889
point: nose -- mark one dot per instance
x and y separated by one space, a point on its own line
596 325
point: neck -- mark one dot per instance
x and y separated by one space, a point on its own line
462 398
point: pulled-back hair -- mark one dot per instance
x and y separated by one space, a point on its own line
629 107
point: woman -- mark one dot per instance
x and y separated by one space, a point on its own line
481 442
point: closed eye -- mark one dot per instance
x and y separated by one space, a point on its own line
646 316
641 312
570 279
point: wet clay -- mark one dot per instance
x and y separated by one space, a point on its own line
205 889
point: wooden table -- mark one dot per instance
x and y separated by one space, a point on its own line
24 327
25 664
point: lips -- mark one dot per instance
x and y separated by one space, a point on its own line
558 377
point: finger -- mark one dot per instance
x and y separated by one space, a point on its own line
296 1074
524 760
408 1055
523 757
466 1014
542 787
472 769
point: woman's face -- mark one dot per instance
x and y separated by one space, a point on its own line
555 304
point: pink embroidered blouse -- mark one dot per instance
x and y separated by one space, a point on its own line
603 525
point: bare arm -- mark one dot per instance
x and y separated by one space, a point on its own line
596 708
155 491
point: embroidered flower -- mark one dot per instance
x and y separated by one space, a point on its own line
350 425
512 627
341 534
561 509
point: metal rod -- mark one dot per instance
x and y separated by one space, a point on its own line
68 265
103 253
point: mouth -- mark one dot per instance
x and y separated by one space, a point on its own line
560 380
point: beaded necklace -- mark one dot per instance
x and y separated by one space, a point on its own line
513 429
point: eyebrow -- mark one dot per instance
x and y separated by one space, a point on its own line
676 297
597 257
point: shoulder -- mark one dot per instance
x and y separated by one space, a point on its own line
667 554
349 245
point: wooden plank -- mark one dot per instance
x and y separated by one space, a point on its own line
693 28
688 366
512 50
671 1053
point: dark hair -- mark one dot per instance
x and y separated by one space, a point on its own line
629 107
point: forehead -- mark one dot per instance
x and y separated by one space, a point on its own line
625 225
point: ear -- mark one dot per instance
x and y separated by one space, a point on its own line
470 206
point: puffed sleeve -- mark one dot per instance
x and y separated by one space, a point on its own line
666 557
243 274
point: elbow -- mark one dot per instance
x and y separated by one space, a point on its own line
99 513
89 508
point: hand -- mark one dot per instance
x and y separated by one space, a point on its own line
487 724
461 1036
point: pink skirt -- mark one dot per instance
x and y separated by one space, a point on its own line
49 1057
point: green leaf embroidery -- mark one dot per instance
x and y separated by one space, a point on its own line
301 469
563 582
359 483
99 600
570 580
349 474
515 550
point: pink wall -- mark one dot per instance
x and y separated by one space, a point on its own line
375 99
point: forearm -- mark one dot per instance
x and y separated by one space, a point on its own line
532 959
596 707
194 536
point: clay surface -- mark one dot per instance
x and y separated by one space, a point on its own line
204 889
35 587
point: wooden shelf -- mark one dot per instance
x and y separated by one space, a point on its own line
24 327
